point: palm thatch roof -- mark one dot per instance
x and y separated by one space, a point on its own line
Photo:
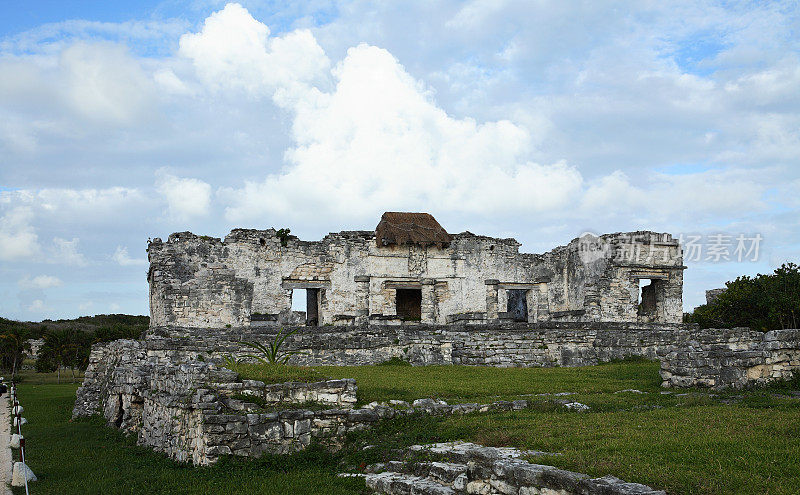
401 228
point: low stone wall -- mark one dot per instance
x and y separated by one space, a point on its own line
525 345
690 357
168 391
196 411
467 468
731 358
191 412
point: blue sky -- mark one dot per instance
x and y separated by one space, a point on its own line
540 121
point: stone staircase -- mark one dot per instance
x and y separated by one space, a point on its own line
467 468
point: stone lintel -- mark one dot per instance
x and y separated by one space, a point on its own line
650 267
403 284
305 284
520 285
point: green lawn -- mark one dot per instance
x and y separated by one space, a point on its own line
85 457
485 384
685 443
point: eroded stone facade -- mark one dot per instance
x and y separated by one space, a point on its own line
249 277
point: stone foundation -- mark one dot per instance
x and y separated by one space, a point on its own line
189 410
196 412
524 345
169 392
731 358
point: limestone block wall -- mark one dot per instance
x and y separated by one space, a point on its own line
528 345
339 393
196 412
167 390
735 358
250 276
689 356
190 412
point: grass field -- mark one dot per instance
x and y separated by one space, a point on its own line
686 443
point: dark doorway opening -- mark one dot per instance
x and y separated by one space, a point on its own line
409 304
518 304
648 302
312 307
120 412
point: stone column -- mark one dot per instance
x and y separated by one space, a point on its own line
491 300
362 299
428 301
530 302
542 302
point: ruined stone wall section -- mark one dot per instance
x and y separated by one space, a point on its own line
545 344
731 358
206 282
461 468
168 391
194 412
717 358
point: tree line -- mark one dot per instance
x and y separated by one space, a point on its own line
65 343
764 302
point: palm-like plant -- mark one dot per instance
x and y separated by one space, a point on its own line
272 353
14 347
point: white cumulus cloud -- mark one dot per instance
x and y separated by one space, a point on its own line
235 51
39 282
37 306
376 140
185 197
18 238
122 257
66 252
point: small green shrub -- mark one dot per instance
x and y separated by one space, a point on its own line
283 235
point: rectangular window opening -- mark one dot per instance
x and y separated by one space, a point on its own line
305 306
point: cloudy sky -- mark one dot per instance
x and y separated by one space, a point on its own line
538 120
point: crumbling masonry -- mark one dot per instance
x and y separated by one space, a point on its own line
410 270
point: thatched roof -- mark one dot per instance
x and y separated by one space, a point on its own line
401 228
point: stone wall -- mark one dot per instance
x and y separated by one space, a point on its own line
168 391
689 356
543 344
248 278
196 411
735 358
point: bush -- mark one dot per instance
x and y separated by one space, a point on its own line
763 302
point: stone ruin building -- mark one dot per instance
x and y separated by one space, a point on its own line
410 270
408 290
